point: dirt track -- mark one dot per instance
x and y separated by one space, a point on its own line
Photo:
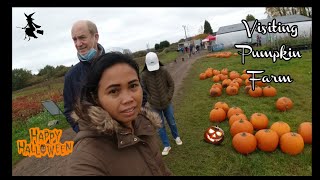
55 166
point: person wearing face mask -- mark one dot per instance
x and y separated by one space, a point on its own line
85 38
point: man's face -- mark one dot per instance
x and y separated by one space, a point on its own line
82 38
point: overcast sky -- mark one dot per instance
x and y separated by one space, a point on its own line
129 28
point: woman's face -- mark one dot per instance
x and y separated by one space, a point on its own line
120 93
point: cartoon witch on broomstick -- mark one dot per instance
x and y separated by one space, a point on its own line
31 27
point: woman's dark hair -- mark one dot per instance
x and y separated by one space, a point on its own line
145 66
89 91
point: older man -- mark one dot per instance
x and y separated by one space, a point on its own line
85 37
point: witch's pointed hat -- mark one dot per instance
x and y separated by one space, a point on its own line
29 17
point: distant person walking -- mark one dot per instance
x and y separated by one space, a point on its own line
186 49
258 40
191 49
159 87
181 50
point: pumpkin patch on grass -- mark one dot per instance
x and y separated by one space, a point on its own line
244 143
241 126
291 143
237 117
259 121
305 130
267 140
217 115
280 127
284 104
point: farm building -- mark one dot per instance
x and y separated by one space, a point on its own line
237 34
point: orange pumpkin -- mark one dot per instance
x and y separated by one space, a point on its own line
247 82
269 91
223 77
305 130
215 91
291 143
245 143
246 89
215 78
284 104
259 121
214 135
234 74
217 85
260 83
217 115
244 76
222 105
226 82
237 117
267 140
241 126
224 71
234 83
280 127
215 72
256 93
202 76
209 72
234 110
232 90
239 81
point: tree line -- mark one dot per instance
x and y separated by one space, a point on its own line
22 78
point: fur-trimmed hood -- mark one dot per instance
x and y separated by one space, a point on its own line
98 122
103 147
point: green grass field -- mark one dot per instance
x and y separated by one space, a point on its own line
192 107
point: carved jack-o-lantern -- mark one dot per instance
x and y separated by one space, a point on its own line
43 148
214 135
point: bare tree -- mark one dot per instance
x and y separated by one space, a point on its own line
284 11
200 31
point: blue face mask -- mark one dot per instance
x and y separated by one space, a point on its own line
89 56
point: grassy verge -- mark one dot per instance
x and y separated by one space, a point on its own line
192 108
20 130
